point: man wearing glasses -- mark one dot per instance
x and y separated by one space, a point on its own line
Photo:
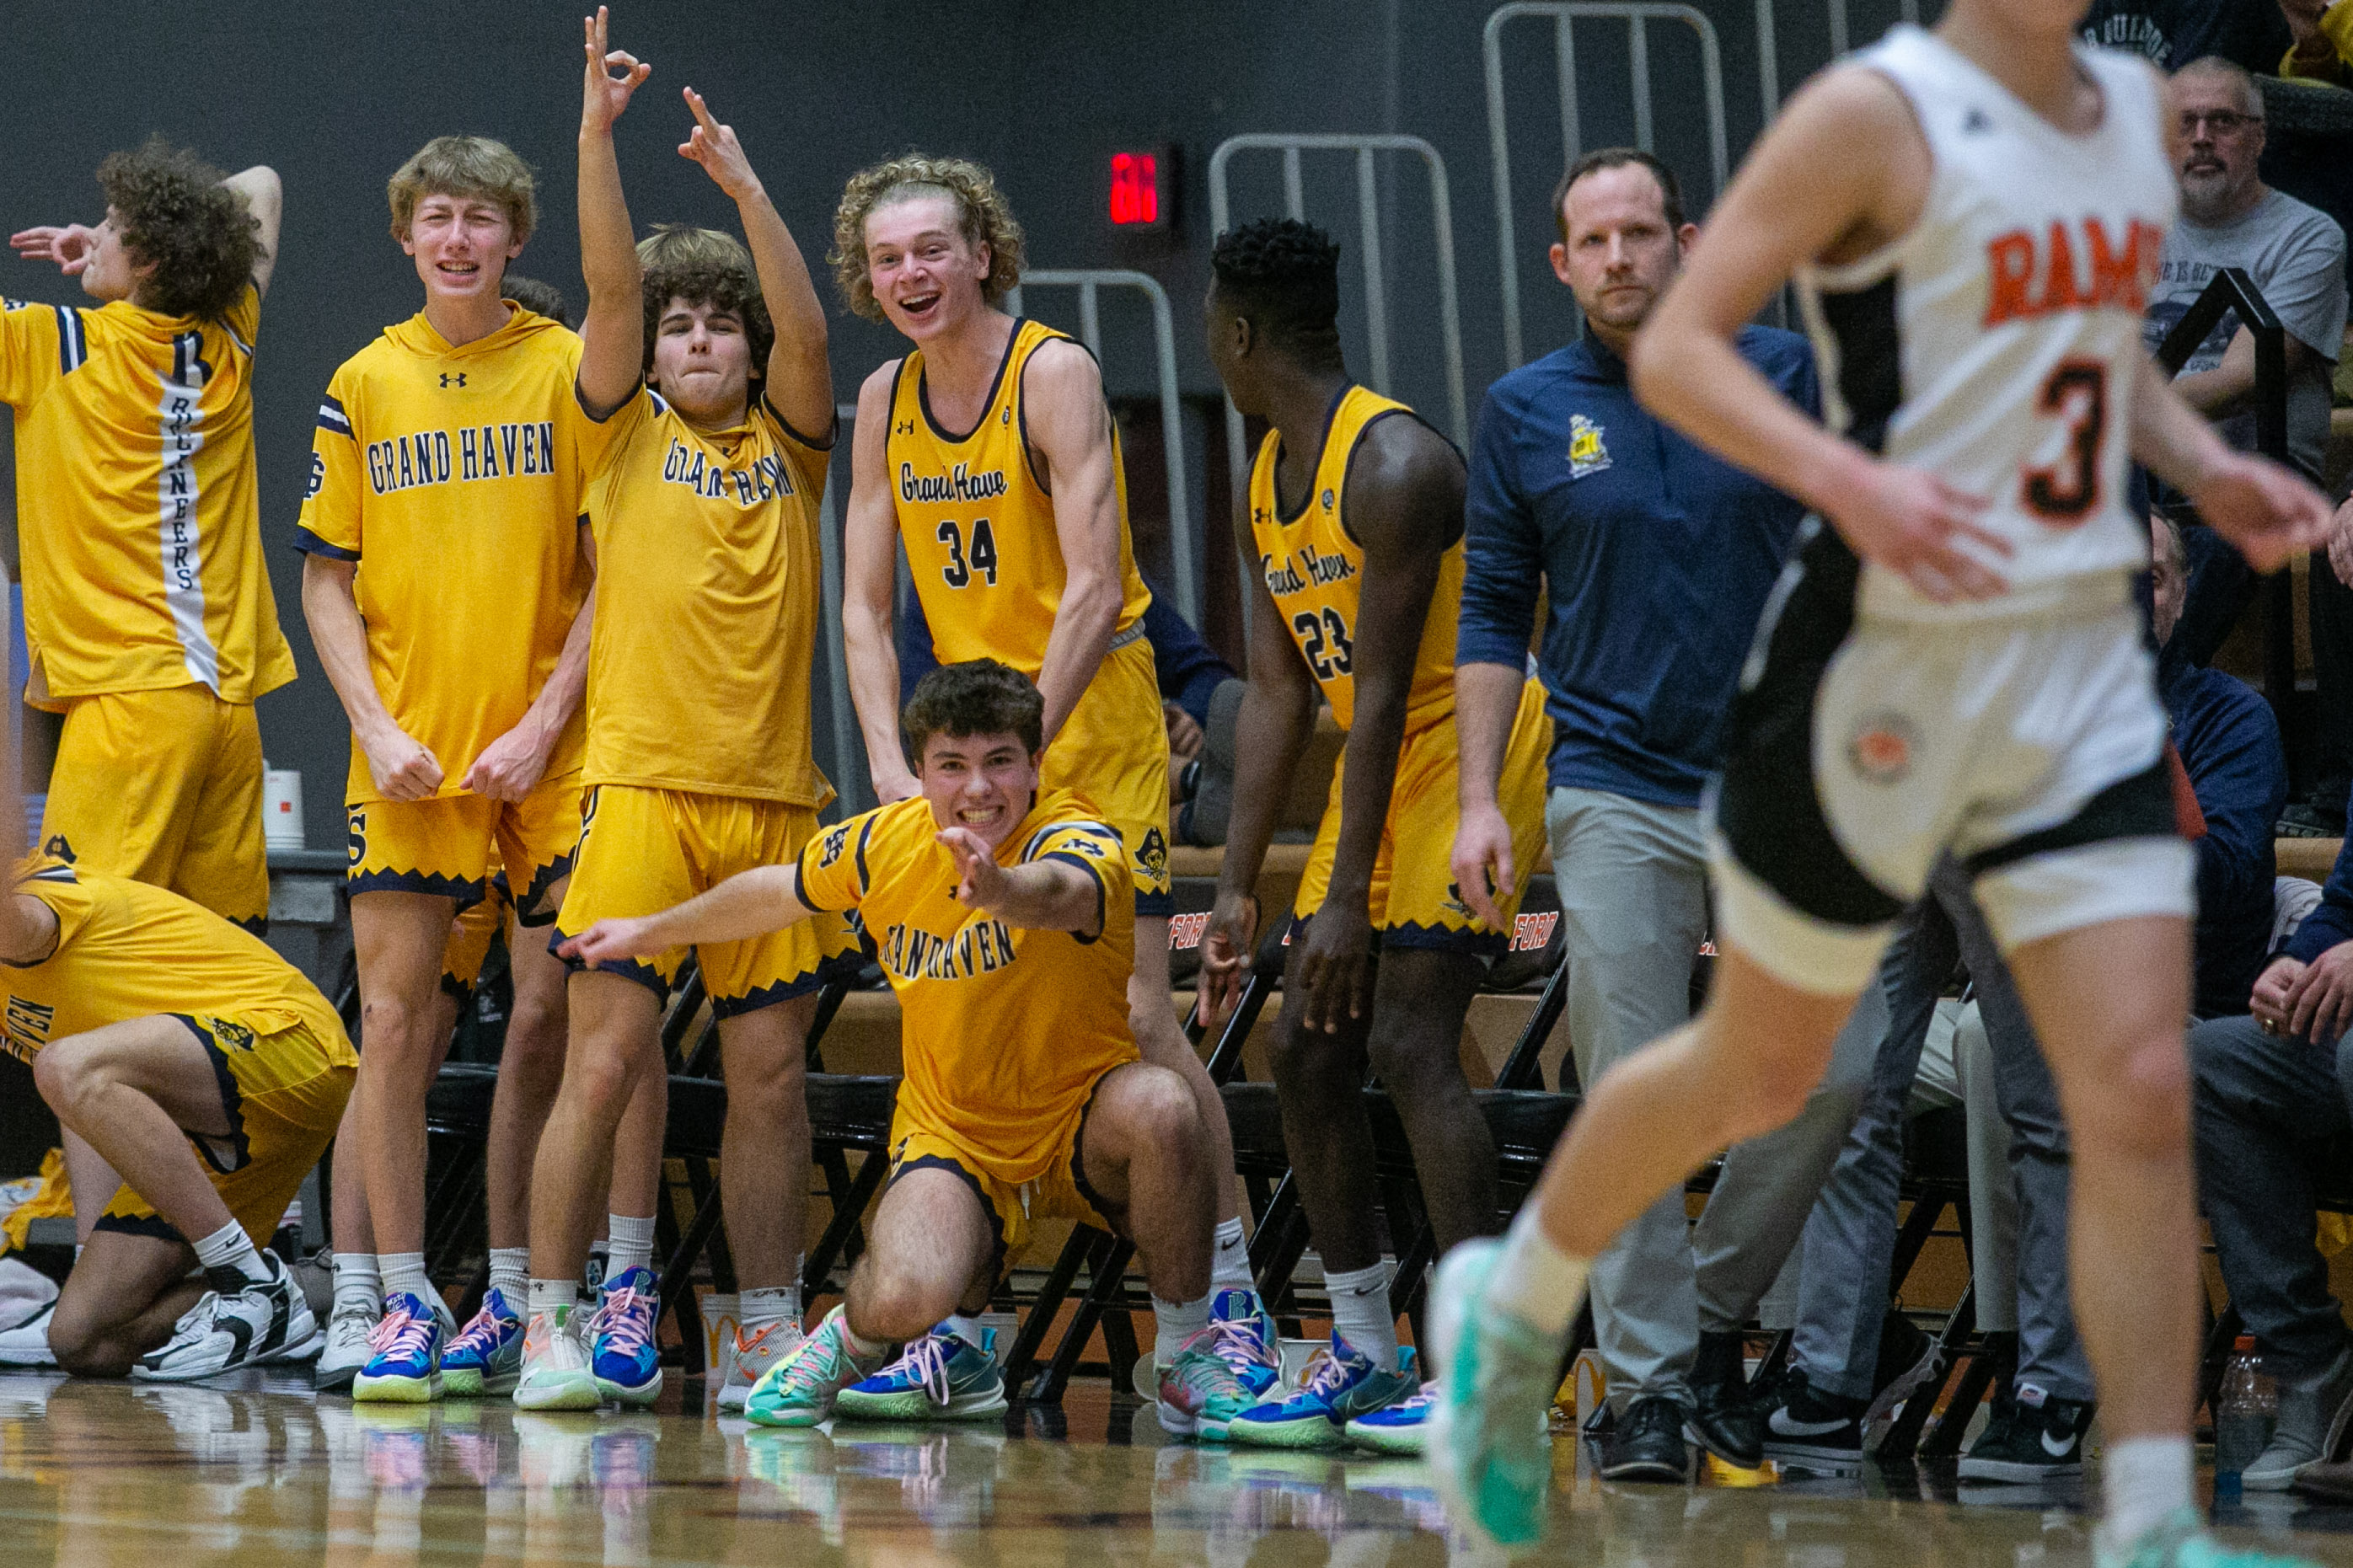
2295 256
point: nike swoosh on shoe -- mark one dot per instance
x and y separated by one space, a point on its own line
1782 1425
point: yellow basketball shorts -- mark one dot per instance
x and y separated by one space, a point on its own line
1061 1192
643 850
1114 751
450 844
165 787
284 1092
469 937
1414 902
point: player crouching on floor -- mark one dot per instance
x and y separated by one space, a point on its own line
1001 916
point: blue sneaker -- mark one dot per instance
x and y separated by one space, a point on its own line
621 1349
940 1377
404 1354
1246 1341
1341 1384
1396 1428
1488 1435
486 1357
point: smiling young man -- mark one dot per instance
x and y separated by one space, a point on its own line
446 461
703 492
1000 911
989 453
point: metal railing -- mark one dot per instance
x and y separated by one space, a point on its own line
1184 534
1769 52
1565 15
1368 231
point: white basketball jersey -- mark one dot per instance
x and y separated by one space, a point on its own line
1998 343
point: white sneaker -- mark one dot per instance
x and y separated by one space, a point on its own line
750 1356
239 1322
555 1371
27 1344
345 1349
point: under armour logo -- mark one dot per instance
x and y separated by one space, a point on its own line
448 380
1976 120
905 427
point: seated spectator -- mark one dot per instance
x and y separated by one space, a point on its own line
2323 46
2172 33
2270 1089
2294 255
2230 744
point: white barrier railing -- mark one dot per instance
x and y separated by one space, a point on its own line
1564 14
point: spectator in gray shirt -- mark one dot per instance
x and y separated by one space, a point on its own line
2295 256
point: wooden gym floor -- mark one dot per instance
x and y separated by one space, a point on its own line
257 1472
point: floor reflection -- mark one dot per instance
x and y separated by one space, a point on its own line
262 1473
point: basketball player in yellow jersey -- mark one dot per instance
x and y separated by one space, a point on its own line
1000 911
197 1063
988 451
706 468
447 593
148 611
1355 539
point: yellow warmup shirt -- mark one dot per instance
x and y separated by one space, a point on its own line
703 655
126 950
1315 569
452 476
978 523
137 511
1004 1032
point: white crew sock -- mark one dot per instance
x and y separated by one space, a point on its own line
357 1283
1535 1281
1361 1315
762 1309
1229 1269
404 1275
1174 1322
554 1296
511 1273
857 1344
230 1247
2145 1481
632 1246
967 1327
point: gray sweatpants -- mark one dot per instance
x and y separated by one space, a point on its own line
1632 878
1849 1241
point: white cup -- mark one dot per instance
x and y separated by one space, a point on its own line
282 809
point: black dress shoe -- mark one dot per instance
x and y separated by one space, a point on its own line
1724 1418
1648 1444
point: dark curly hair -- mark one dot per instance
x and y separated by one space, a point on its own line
978 697
171 210
704 267
1282 277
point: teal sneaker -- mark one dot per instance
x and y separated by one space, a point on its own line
1200 1394
486 1357
2182 1542
1246 1343
1400 1427
941 1377
1488 1434
799 1390
1341 1384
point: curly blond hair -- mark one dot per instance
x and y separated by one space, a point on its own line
463 166
982 213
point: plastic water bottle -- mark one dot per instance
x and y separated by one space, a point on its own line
2245 1410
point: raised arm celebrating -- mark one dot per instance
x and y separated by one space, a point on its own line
613 332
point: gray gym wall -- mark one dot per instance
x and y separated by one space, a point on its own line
334 95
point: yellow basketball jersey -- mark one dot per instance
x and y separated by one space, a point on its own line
1003 1031
703 653
126 950
1315 569
452 476
978 524
140 523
